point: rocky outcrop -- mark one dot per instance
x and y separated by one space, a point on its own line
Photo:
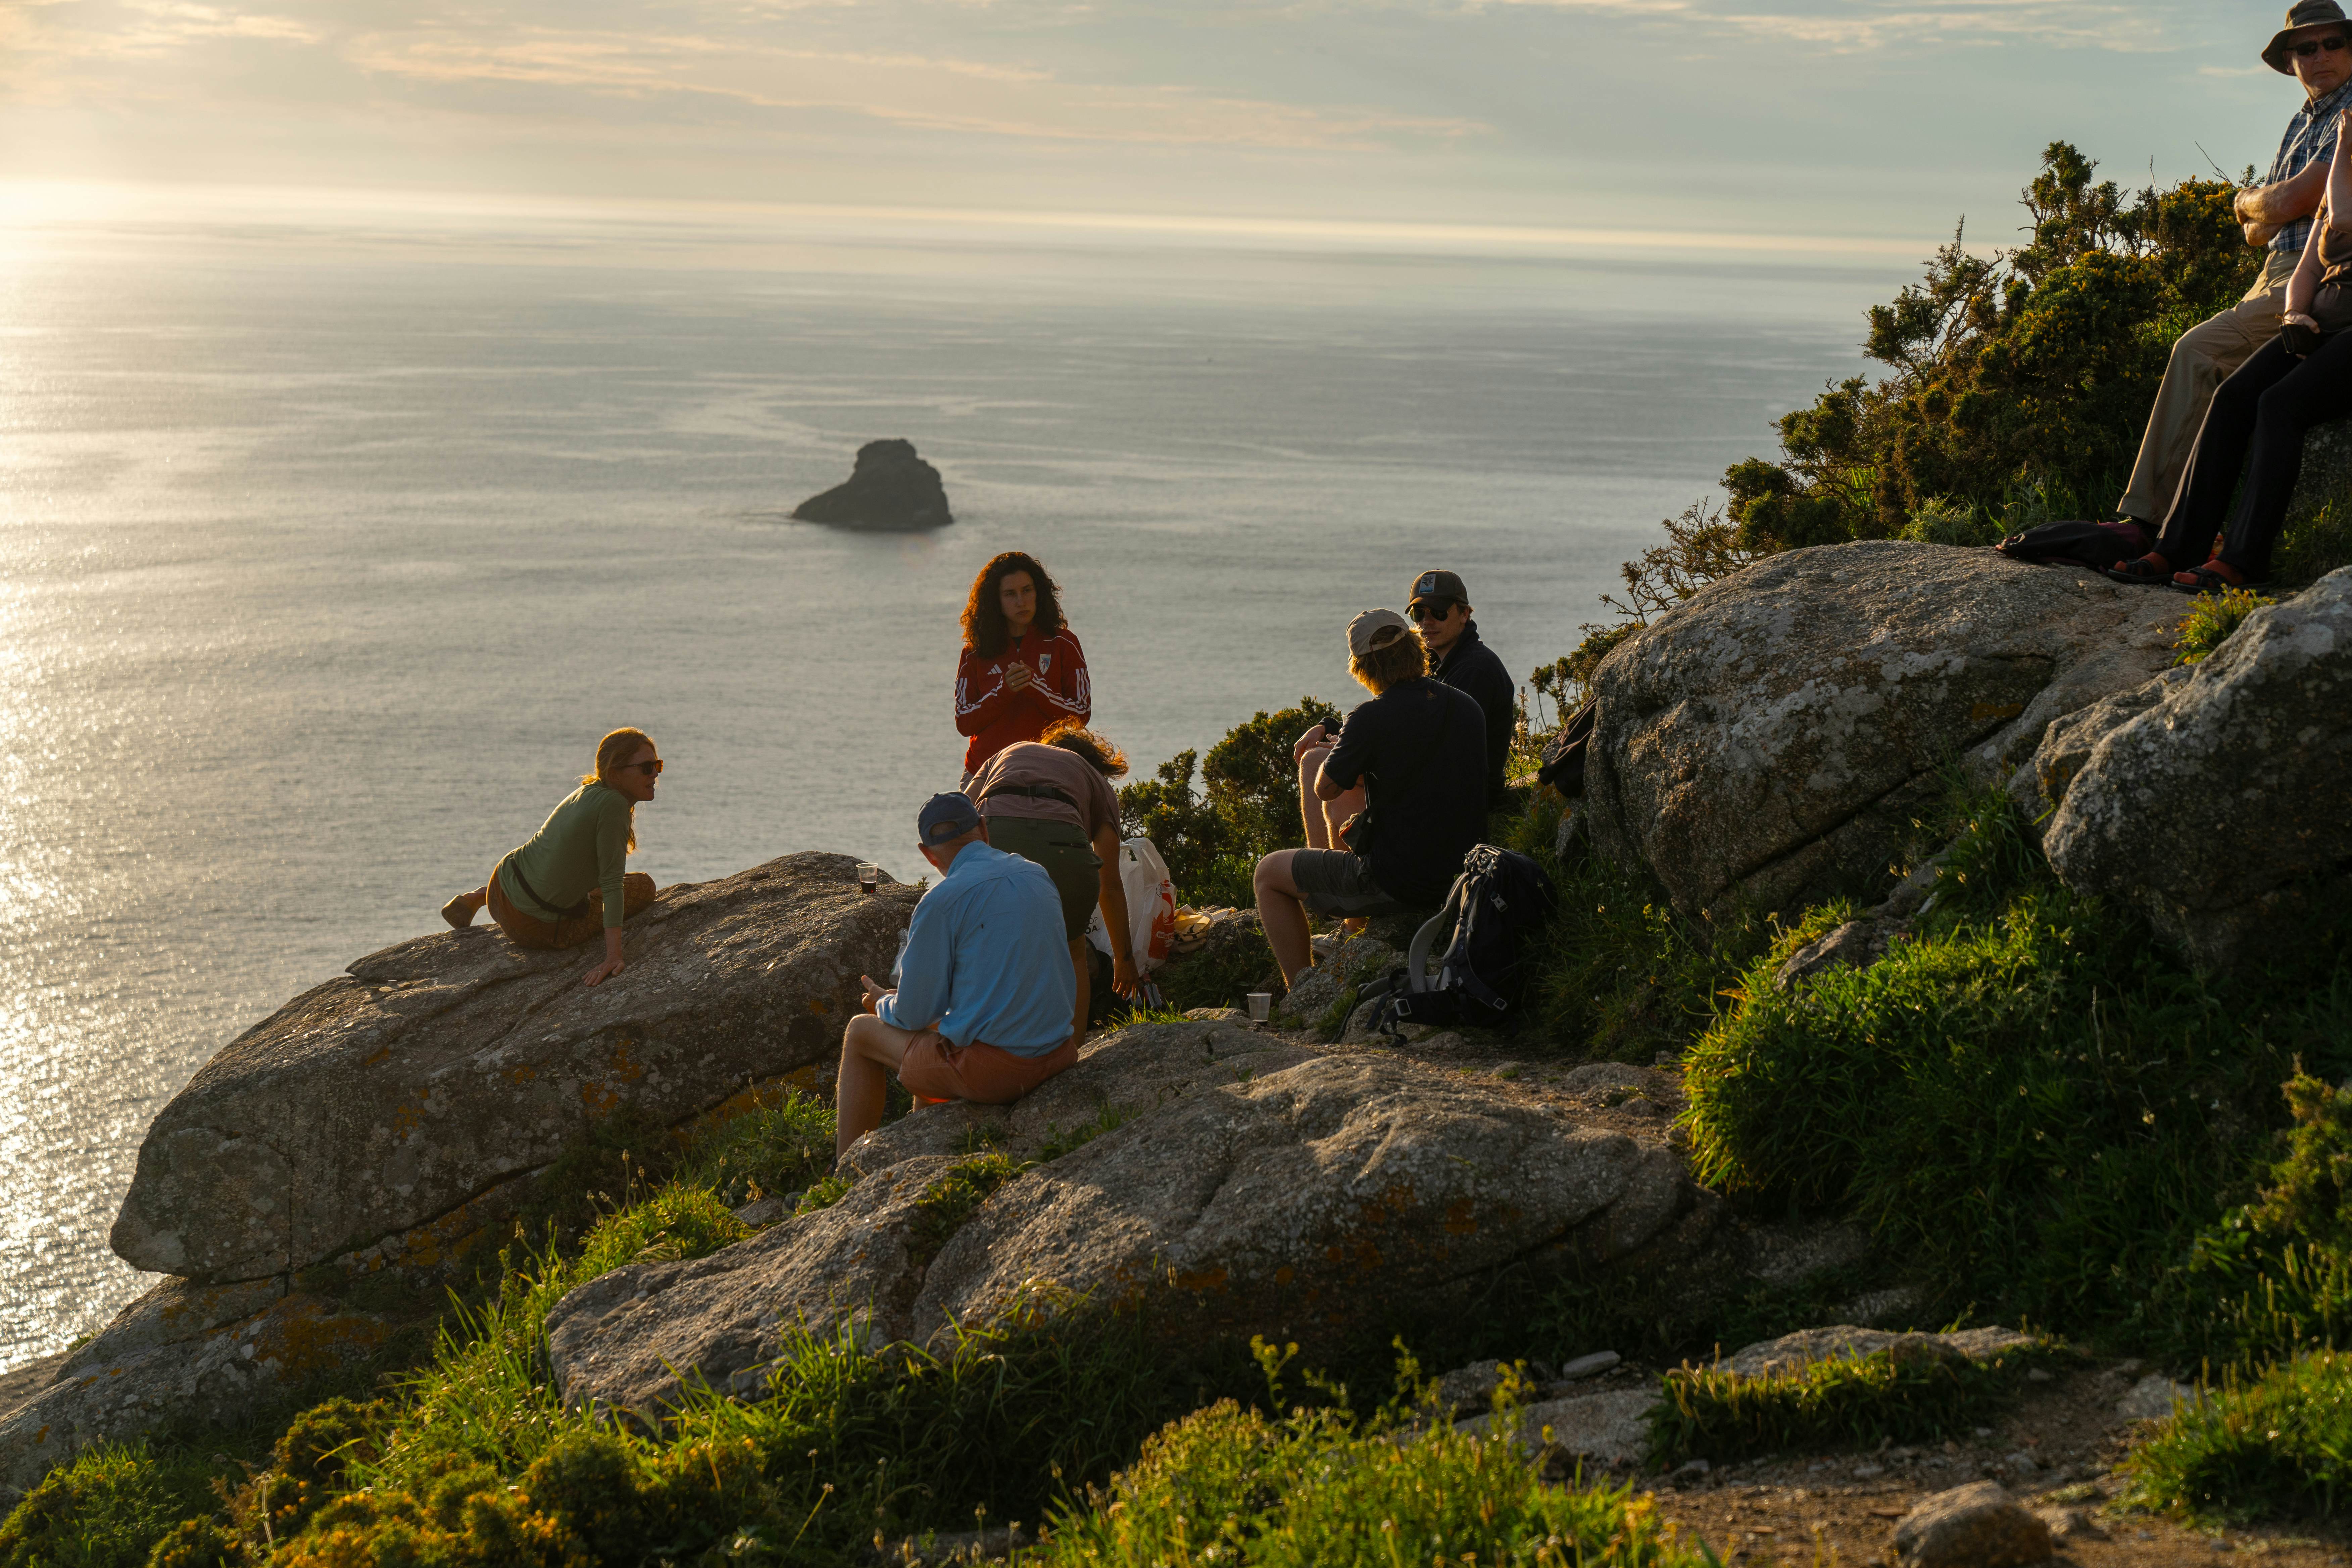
394 1113
1769 739
1977 1526
1232 1182
2217 806
1792 1353
890 488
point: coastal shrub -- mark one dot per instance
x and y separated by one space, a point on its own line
105 1508
2027 1098
2211 620
1850 1402
2278 1446
2028 374
1248 804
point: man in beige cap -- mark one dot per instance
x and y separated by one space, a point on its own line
1418 750
2312 47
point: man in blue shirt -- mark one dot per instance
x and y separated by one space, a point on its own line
985 988
2313 48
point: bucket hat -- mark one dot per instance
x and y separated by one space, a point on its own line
2300 17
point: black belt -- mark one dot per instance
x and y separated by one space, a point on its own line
514 867
1031 792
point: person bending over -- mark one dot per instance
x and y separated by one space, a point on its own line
982 1008
570 881
2276 216
1419 751
1021 669
2301 378
1051 802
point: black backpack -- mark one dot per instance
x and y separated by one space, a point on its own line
1497 911
2098 546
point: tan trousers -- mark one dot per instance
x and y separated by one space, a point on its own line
2202 359
529 930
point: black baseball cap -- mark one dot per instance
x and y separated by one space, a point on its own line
1437 586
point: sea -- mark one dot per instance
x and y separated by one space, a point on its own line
332 537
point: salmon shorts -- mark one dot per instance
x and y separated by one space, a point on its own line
937 1068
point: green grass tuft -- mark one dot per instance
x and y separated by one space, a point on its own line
954 1196
1851 1402
774 1149
2279 1446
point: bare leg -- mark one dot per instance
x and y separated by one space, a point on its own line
1281 915
1335 812
1311 810
461 910
871 1051
1079 962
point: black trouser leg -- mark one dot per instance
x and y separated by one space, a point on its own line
2203 501
2317 389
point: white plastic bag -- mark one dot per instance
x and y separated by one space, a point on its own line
1151 906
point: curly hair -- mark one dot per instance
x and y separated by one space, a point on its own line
1391 663
984 631
1100 754
615 749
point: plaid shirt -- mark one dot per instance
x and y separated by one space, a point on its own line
2310 137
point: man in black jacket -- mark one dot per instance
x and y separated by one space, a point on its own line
1441 607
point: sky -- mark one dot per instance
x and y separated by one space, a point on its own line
1863 125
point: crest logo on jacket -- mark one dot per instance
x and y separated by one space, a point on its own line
1044 662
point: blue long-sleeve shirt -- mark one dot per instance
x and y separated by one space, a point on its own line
985 957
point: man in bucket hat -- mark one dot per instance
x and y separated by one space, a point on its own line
2313 48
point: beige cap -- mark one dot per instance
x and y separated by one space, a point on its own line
1375 629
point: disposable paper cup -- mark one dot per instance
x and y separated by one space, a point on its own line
1261 1004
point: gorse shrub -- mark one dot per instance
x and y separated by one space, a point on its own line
1247 806
104 1509
2032 369
2211 620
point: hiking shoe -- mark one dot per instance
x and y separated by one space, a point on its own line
459 911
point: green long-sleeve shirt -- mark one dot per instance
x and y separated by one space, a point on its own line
584 844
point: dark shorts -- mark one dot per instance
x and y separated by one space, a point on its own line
1337 882
1062 848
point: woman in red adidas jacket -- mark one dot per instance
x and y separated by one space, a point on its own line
1021 669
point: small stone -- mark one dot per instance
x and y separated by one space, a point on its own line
2035 1375
1982 1431
1688 1470
2154 1398
2021 1462
2071 1524
1868 1472
1591 1365
1979 1526
759 1216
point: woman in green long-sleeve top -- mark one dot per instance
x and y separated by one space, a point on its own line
570 881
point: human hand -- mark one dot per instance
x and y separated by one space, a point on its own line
875 990
603 971
1019 677
1307 742
1124 978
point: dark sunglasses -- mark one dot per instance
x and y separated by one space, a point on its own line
651 770
1430 609
2304 51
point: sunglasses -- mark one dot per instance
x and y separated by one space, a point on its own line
1430 609
2304 51
651 770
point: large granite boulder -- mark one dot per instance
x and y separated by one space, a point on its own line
1232 1180
2218 809
384 1115
890 488
1768 741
